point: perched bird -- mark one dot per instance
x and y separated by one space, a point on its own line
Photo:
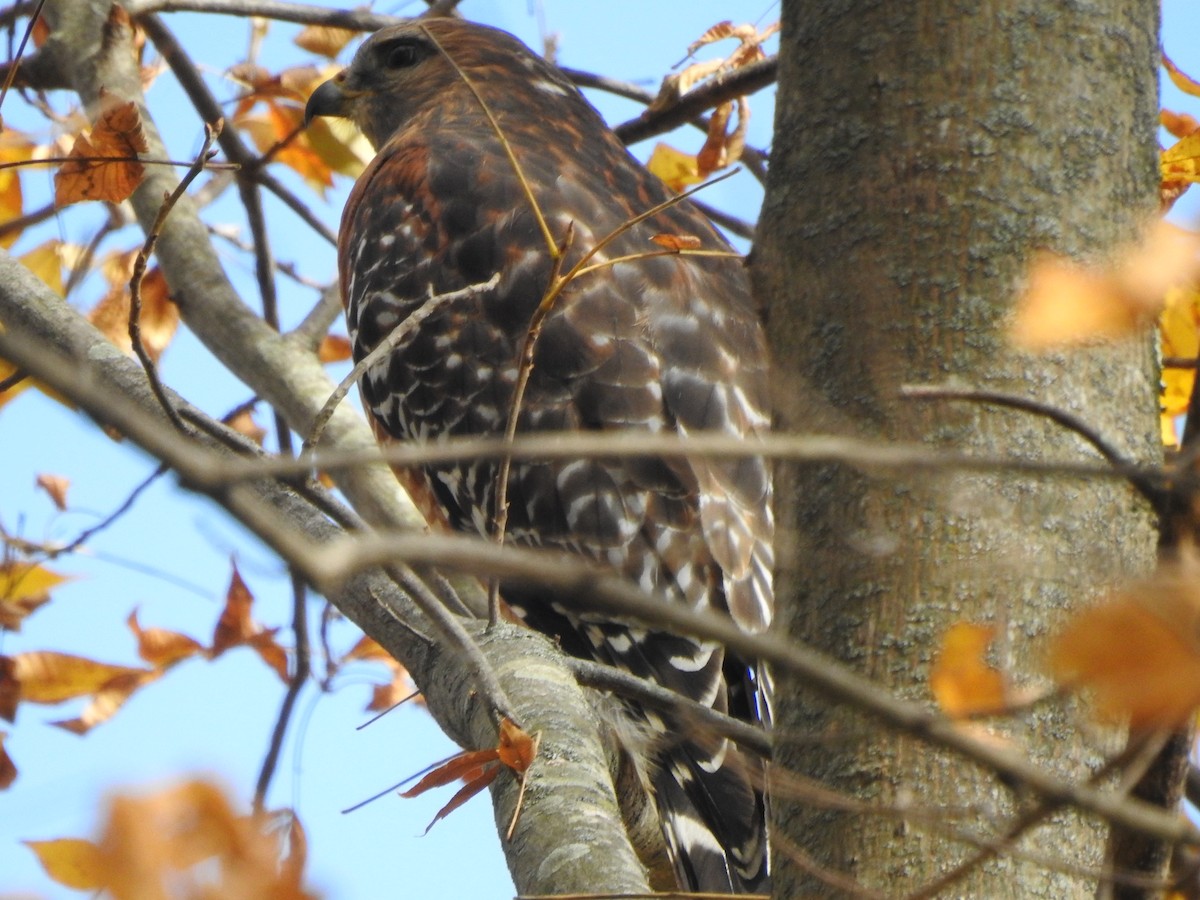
667 344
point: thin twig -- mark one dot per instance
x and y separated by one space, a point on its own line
1073 423
88 533
211 131
386 346
295 684
209 110
58 160
16 61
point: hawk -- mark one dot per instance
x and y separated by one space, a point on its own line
643 342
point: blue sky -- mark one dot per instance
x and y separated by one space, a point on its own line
215 718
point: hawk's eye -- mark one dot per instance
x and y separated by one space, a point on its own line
401 55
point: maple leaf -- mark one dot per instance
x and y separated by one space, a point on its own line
236 628
104 164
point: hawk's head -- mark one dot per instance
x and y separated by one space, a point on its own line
431 65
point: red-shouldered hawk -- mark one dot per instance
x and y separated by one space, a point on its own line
668 344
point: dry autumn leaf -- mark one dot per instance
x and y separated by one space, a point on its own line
8 769
478 768
236 628
1139 653
107 701
1179 335
159 317
243 423
1066 303
104 164
71 862
56 487
334 348
1178 124
1184 82
962 681
185 841
676 169
324 40
677 241
46 676
23 588
15 147
162 648
384 696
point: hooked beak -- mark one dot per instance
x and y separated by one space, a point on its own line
327 100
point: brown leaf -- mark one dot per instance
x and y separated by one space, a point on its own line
56 487
961 680
1139 652
465 765
10 689
265 645
235 625
8 769
159 647
104 164
473 786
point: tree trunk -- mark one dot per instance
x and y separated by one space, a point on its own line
923 153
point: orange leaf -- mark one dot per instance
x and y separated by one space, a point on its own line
466 765
1066 303
465 793
71 862
334 348
235 625
517 748
14 147
1179 124
157 320
46 676
1139 652
56 487
8 769
159 647
677 241
1184 82
243 423
104 165
961 680
270 652
369 649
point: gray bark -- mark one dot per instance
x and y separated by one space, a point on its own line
923 152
